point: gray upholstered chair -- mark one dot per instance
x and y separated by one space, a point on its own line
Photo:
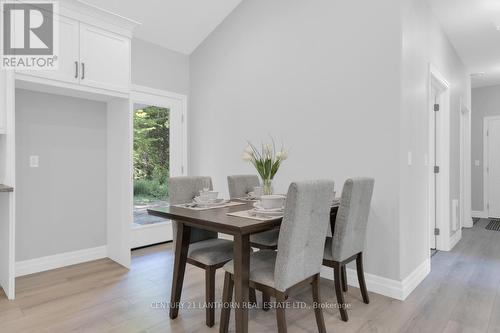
298 259
206 250
349 237
239 187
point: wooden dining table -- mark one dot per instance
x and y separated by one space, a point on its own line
218 220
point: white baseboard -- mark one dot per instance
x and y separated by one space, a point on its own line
457 236
59 260
480 213
399 290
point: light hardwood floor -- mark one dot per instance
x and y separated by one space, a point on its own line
462 294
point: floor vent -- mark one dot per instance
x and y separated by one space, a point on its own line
493 225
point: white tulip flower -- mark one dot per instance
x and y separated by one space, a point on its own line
247 157
282 155
249 150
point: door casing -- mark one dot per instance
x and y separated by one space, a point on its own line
486 122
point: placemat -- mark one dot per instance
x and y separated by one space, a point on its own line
246 214
227 204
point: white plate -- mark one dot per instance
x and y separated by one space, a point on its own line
266 213
204 204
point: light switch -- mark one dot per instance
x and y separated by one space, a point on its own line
34 161
477 163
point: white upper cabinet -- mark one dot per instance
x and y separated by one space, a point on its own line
104 59
69 53
94 51
3 105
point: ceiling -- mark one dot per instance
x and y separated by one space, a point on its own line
473 27
180 25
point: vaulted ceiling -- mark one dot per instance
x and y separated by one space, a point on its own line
473 27
180 25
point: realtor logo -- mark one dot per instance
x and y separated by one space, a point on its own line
29 38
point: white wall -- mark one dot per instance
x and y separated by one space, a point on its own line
485 102
424 42
323 77
157 67
61 206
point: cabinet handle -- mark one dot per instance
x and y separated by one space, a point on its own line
83 70
76 69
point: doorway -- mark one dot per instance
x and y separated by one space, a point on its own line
159 152
151 161
492 166
438 163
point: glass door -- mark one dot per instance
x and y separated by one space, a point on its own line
151 171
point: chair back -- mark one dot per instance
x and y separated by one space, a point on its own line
183 190
303 232
241 185
351 223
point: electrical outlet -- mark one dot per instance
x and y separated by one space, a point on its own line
34 161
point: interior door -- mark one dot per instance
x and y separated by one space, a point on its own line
69 53
493 167
104 59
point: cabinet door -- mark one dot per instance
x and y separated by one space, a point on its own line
105 59
69 53
3 103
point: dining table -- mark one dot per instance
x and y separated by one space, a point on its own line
218 220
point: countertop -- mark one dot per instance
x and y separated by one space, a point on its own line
4 188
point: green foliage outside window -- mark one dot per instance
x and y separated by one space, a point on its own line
151 153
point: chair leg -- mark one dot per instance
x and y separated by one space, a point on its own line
266 299
280 313
344 278
338 290
318 311
210 296
227 297
361 278
252 297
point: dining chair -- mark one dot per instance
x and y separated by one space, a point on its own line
298 259
239 187
348 240
206 250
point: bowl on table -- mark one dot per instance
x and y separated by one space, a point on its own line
272 201
208 196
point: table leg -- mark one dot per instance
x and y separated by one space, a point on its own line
182 239
241 274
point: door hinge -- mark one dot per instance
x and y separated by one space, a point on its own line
182 118
436 169
436 231
182 169
488 205
436 107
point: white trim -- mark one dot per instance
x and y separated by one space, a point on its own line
399 290
147 95
151 234
59 260
135 88
480 214
465 167
486 121
455 238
